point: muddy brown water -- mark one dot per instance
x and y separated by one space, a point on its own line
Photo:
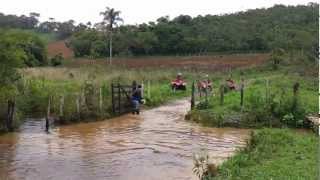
158 144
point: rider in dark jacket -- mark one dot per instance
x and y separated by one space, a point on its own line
136 99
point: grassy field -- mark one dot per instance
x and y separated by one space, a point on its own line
213 63
276 154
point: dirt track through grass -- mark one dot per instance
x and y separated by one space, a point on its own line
214 63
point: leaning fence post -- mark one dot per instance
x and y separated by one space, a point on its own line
221 94
192 96
48 114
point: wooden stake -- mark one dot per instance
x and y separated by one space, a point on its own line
241 93
149 91
48 114
119 98
10 114
61 106
78 102
206 97
267 91
192 96
142 89
221 94
112 99
100 100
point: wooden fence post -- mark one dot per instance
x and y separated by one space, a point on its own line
112 99
221 94
192 96
78 105
267 91
100 100
119 98
61 106
295 96
206 97
48 114
149 90
10 114
24 84
142 89
241 92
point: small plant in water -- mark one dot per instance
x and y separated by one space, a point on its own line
202 168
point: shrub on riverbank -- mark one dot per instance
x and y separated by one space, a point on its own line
274 154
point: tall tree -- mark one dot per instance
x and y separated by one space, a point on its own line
110 19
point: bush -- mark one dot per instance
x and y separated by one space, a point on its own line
57 60
33 48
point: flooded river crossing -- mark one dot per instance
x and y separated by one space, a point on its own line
157 144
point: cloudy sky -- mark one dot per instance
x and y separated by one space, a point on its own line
133 11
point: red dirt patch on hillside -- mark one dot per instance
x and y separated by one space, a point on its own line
219 62
57 47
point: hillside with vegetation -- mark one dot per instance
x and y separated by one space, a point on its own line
258 30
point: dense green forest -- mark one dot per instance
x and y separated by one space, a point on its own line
286 27
256 30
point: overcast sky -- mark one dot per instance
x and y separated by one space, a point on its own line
133 11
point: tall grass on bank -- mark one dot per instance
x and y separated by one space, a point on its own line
269 101
274 154
79 89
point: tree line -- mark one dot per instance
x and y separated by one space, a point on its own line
257 30
31 22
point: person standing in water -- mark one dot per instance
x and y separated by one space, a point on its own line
136 98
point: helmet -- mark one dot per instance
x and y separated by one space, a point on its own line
179 74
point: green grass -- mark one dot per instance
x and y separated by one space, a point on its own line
278 154
263 106
38 84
